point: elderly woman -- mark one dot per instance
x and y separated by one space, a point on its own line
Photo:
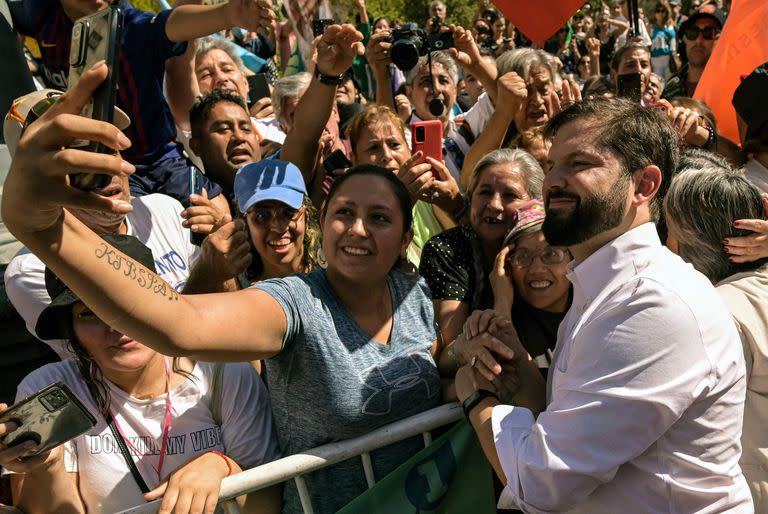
530 286
701 206
456 264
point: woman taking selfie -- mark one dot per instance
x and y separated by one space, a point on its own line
182 433
335 358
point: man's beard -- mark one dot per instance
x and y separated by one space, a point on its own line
594 215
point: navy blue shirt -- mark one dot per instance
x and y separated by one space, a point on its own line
144 50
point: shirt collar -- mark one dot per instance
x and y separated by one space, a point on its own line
614 263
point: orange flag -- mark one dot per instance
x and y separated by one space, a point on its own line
538 19
742 47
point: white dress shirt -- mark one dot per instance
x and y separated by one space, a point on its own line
757 174
645 395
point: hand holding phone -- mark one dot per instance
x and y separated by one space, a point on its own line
629 85
319 25
191 214
48 418
427 138
96 37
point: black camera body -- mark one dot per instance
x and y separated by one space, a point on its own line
409 42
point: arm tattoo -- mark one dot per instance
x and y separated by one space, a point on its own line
142 276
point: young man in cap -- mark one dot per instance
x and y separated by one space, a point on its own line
698 37
645 392
749 100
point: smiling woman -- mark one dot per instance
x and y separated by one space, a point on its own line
457 262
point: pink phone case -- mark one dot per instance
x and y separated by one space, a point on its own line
427 137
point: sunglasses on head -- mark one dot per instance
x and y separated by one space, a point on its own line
264 215
709 33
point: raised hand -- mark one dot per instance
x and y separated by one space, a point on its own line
38 173
501 284
337 48
465 50
256 15
226 251
512 93
378 53
202 215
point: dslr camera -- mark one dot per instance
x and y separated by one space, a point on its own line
409 42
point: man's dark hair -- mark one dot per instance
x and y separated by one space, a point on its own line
616 60
201 110
638 137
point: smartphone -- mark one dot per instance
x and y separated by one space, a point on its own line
336 161
319 25
195 188
629 86
50 417
258 87
96 37
427 137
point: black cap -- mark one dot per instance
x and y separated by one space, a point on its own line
62 297
706 11
751 100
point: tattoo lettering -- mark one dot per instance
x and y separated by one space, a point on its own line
143 277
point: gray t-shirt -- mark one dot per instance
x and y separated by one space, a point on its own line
332 381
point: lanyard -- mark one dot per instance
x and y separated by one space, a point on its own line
166 425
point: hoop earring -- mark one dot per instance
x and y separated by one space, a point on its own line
321 261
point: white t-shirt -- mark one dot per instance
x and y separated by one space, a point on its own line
105 482
155 221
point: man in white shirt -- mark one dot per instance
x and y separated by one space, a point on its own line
645 394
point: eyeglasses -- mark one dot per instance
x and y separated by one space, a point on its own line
709 33
263 216
523 258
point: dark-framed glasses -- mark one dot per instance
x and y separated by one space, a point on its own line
522 258
709 33
264 215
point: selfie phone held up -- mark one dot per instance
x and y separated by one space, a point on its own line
195 188
427 137
96 37
50 417
629 86
319 25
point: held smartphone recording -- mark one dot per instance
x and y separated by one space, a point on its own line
195 188
49 417
427 137
96 37
629 86
319 25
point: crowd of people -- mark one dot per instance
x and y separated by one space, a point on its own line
582 266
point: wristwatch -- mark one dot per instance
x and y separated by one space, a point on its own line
329 80
475 398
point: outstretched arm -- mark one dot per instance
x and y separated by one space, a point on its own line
336 50
188 22
127 296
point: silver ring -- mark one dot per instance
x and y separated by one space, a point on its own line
473 361
435 195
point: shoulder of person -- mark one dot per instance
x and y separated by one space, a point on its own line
66 371
158 204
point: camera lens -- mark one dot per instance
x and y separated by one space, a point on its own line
404 54
420 134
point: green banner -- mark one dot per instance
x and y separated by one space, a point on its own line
450 476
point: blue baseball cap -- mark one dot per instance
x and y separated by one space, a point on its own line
269 179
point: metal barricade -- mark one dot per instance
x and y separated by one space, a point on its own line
295 466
